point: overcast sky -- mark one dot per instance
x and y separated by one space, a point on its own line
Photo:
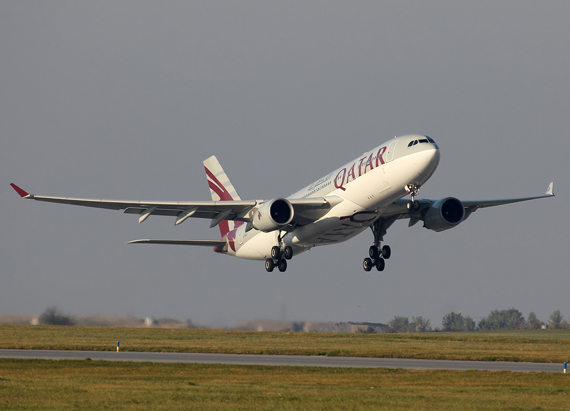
126 99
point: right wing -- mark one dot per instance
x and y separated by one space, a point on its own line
206 243
306 210
214 210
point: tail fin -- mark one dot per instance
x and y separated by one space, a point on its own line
221 189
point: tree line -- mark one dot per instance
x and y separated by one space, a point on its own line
511 319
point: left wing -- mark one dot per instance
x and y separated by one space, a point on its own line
491 203
399 209
306 210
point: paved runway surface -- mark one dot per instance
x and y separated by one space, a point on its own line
293 360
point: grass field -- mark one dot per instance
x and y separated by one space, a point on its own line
98 385
531 346
86 384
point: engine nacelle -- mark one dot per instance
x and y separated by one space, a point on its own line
444 214
272 215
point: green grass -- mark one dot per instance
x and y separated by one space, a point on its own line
532 346
94 385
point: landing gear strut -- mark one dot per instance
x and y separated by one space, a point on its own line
279 256
413 190
376 254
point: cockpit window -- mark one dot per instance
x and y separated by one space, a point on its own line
425 139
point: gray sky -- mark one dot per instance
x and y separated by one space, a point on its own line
126 99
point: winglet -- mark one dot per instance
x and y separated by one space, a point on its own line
21 192
550 190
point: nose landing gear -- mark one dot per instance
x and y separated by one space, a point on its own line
413 190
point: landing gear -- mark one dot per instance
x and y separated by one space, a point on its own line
380 264
376 254
288 253
367 264
275 253
413 190
279 256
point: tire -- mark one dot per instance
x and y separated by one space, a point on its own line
282 265
373 252
275 253
380 264
367 264
386 252
288 253
269 265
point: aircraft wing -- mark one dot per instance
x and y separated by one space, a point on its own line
399 210
492 203
206 243
306 210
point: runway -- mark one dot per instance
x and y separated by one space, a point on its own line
290 360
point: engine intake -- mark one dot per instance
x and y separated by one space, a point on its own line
444 214
273 215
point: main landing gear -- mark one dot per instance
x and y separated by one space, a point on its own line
377 255
278 258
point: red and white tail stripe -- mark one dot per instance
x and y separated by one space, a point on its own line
221 189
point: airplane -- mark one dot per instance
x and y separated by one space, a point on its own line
367 192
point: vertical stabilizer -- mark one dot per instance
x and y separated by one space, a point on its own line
221 189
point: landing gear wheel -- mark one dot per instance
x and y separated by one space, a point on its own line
413 205
282 265
380 264
269 265
288 253
373 252
386 252
275 253
367 264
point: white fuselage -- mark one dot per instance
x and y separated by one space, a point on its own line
367 186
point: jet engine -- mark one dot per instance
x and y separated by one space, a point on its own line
272 215
444 214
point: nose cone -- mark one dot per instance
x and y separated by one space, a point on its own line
433 161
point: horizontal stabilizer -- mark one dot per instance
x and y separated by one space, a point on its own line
205 243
